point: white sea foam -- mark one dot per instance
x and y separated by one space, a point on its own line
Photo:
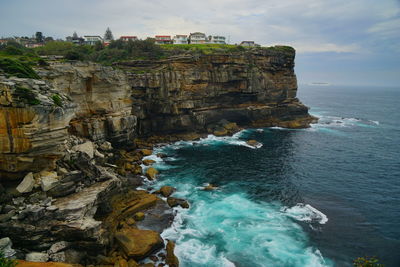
213 140
306 213
334 121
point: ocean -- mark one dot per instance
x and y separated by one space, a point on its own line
321 196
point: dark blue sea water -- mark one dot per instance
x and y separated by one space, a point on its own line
314 197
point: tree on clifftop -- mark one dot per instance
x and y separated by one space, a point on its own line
108 36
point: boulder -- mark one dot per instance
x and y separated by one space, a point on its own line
48 180
5 247
138 244
231 126
146 152
166 191
27 184
220 131
37 257
171 259
106 146
174 202
151 173
148 162
136 169
87 148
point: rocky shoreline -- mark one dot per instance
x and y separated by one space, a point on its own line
72 148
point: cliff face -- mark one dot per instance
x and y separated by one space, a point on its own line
102 96
255 88
142 98
32 127
67 181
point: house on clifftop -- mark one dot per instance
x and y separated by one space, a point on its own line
163 39
198 38
92 39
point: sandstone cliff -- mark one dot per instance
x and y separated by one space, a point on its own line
54 133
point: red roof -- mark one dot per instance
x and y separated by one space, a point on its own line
163 36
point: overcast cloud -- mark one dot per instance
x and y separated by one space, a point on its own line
337 41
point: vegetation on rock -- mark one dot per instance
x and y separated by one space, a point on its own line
17 68
27 95
57 100
5 262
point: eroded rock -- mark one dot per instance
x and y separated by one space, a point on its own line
138 244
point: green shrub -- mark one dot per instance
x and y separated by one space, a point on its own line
12 50
57 100
73 55
5 262
27 95
17 68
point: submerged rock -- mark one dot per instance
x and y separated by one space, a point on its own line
138 244
210 187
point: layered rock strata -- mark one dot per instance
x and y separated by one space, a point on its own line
58 140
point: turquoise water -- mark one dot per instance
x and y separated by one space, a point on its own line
314 197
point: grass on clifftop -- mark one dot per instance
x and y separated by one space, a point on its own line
16 60
201 48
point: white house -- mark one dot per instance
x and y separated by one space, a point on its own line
249 43
92 39
180 39
216 39
198 38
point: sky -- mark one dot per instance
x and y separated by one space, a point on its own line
342 42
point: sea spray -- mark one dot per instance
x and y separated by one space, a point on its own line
226 227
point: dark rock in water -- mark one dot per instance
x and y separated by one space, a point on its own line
253 143
162 155
166 191
171 260
174 202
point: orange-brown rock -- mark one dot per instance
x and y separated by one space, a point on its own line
22 263
166 191
148 162
137 243
151 173
171 259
